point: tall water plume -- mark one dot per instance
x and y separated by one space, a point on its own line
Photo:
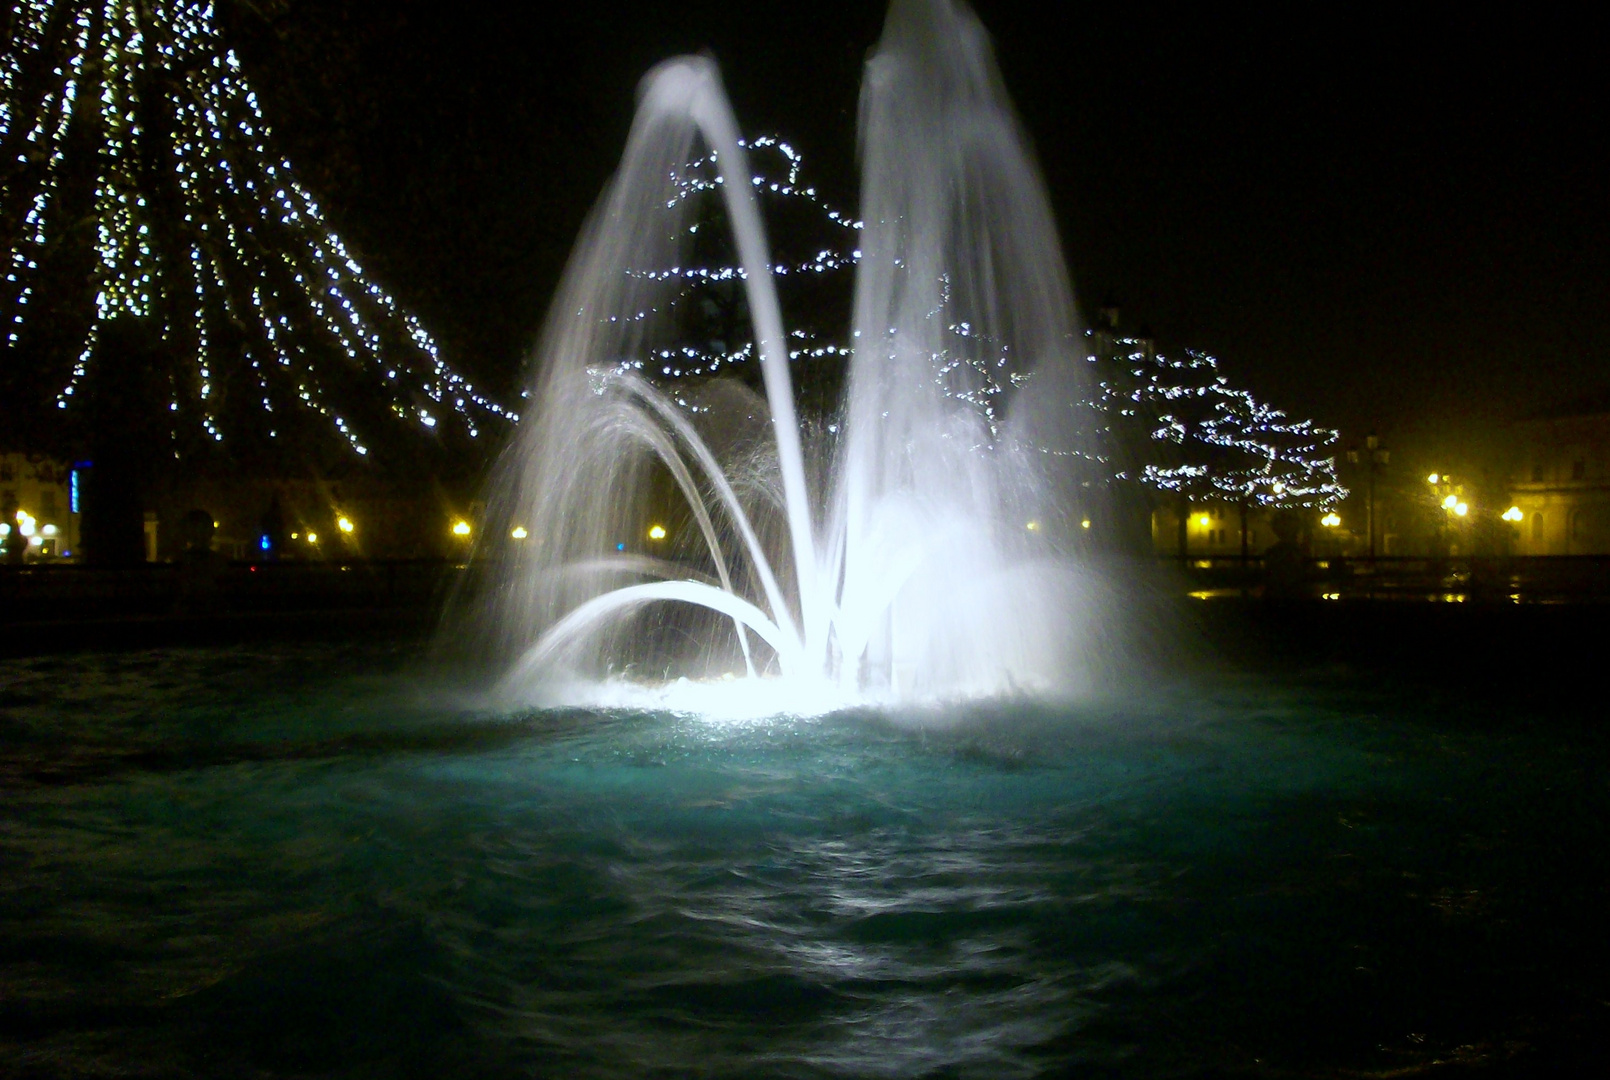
910 546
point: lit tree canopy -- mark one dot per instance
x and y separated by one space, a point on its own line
1183 428
1195 435
138 182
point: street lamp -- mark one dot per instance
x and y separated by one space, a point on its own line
1374 456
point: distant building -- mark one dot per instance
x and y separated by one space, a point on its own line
40 519
1213 528
1560 482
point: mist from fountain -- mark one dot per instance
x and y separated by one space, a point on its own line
912 546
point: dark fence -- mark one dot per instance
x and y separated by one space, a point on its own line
49 592
1512 579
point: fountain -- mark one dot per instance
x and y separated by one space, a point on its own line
911 546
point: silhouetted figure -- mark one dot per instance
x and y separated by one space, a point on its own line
1285 563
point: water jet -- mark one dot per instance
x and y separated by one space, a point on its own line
903 547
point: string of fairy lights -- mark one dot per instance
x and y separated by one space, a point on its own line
1205 438
776 169
199 226
1212 440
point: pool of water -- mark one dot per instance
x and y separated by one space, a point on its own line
297 861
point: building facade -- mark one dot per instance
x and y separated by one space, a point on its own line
38 512
1560 484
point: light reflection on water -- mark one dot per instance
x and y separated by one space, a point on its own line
279 861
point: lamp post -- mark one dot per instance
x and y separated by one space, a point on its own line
1374 456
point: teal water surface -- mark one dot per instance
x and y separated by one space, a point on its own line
291 861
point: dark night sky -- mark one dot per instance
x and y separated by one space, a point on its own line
1374 217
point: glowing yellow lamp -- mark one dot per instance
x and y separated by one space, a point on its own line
1450 502
313 538
1331 520
518 532
1513 514
1461 509
1033 526
1085 524
1434 478
1204 521
344 524
656 532
461 528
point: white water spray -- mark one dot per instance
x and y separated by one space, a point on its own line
927 559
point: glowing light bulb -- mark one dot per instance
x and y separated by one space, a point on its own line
1450 502
344 524
1204 521
1033 526
1461 509
1434 478
1513 514
1085 524
518 532
656 532
313 538
1331 520
461 528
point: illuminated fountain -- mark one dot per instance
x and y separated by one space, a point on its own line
908 547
